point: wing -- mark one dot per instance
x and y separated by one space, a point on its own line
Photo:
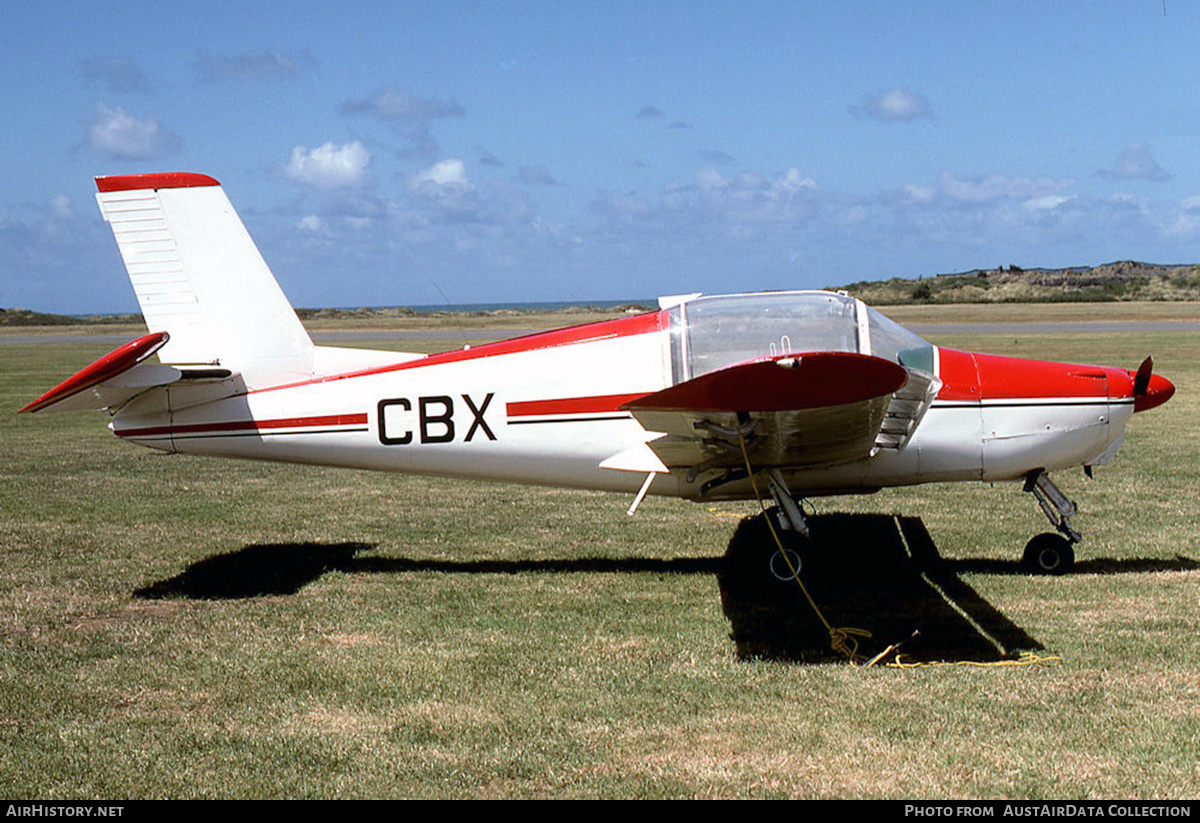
806 410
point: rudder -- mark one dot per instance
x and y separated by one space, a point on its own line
199 276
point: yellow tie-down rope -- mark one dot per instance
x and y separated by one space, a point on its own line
843 640
1026 659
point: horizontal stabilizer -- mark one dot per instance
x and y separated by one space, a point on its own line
111 380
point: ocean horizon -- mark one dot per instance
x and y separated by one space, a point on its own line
543 305
455 308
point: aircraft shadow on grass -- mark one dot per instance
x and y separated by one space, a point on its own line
876 573
885 575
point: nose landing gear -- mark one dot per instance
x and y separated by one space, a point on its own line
1050 553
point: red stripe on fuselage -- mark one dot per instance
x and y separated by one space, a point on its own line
249 425
570 336
571 405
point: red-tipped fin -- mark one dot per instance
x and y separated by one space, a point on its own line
168 180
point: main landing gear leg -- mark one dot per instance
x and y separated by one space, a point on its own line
787 504
1050 553
787 555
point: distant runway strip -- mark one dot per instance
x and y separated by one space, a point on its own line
924 329
1055 327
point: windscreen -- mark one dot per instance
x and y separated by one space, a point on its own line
892 341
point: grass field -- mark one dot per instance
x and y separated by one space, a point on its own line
178 627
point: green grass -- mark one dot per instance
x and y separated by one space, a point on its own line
417 637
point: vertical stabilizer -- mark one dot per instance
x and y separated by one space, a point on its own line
200 278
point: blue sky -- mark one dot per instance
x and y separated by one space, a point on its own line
392 153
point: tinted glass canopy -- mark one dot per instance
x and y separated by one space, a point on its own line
710 333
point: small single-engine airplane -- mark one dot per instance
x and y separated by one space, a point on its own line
811 392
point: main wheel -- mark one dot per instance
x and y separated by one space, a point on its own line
787 564
755 560
1049 553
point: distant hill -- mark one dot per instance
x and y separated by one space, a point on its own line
1123 280
25 317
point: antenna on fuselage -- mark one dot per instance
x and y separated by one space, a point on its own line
461 328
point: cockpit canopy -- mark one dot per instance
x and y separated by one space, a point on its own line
710 333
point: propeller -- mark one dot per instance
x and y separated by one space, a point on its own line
1150 389
1141 380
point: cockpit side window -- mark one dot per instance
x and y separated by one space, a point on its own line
710 333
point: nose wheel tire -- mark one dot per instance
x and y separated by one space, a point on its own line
1048 553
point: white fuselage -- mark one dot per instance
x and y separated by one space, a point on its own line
545 410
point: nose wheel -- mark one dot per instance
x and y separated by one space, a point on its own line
1049 553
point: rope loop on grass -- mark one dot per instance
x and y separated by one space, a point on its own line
1026 659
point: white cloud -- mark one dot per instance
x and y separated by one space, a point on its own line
895 105
1135 163
990 188
740 207
311 223
409 114
792 181
117 74
329 166
445 175
753 186
443 191
1123 201
60 207
1047 203
395 103
996 187
536 175
486 158
251 65
716 156
121 136
920 194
